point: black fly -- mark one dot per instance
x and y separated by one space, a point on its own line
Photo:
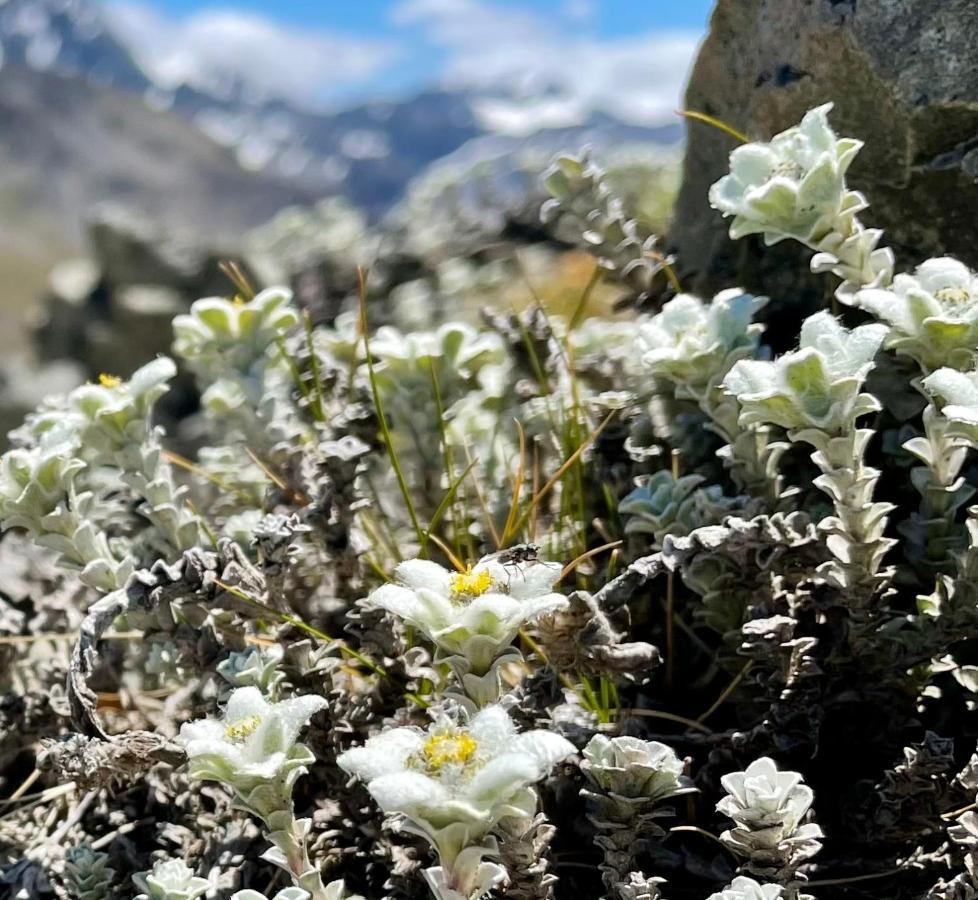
516 557
521 553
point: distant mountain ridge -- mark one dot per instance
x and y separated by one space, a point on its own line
271 148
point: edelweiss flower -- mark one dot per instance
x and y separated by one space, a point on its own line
793 186
473 614
254 741
631 767
34 482
106 417
219 336
335 890
934 313
817 386
454 782
744 888
289 893
170 879
763 794
691 342
767 807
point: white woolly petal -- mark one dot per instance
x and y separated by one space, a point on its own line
493 728
384 754
501 777
943 272
490 614
733 784
244 703
201 730
296 713
394 598
545 747
267 765
420 574
753 163
535 607
532 579
407 791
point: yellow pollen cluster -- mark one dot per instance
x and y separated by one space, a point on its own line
109 381
238 731
446 749
954 296
471 584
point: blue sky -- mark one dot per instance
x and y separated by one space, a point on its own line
629 56
608 16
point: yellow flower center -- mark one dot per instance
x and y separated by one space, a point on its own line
953 296
109 381
470 584
448 749
238 300
238 731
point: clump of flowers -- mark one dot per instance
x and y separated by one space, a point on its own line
276 568
229 340
55 483
453 783
691 342
815 390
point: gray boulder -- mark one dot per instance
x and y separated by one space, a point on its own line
139 329
903 75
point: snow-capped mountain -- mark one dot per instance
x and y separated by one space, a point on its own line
368 153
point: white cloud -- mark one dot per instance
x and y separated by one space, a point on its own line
218 48
579 10
541 73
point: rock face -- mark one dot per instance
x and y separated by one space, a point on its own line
903 75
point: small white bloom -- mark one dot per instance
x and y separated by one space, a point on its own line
289 893
744 888
253 741
691 342
933 313
792 186
454 782
220 336
760 791
818 386
633 768
474 614
768 807
170 879
335 890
